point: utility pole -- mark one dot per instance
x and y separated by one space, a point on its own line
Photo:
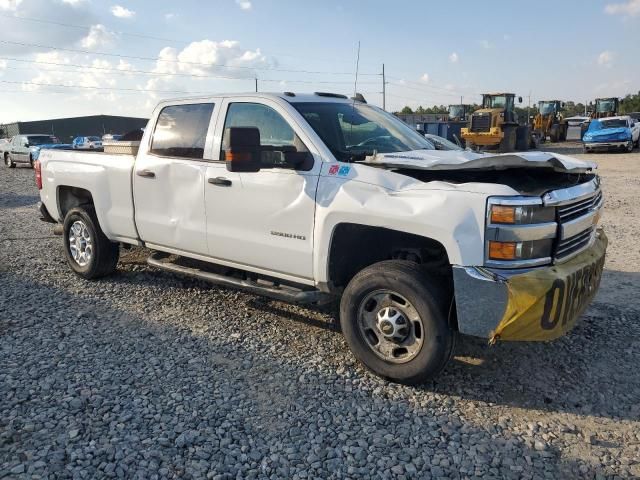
256 79
384 90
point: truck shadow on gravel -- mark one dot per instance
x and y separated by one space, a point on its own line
12 200
121 385
592 371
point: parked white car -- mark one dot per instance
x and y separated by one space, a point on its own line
307 198
87 143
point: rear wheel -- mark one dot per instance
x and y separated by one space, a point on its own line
564 130
554 133
508 143
89 252
8 161
523 138
395 320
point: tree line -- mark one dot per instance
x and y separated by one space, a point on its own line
631 103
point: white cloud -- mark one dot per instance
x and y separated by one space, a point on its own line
11 5
425 78
73 3
605 59
122 12
205 57
244 4
486 44
169 16
98 36
453 58
631 8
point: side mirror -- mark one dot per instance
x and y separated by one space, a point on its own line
241 149
25 144
519 99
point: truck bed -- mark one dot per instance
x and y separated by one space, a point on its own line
104 174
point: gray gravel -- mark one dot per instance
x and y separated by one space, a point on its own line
148 375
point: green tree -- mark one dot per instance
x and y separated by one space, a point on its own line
406 110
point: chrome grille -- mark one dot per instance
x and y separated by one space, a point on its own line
573 216
575 210
566 248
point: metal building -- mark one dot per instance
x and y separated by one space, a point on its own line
68 128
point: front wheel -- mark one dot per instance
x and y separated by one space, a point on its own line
89 252
8 161
395 320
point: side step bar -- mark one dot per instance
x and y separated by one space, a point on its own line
286 294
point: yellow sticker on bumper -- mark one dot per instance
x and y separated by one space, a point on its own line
545 303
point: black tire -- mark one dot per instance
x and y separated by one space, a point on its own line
554 133
8 161
508 143
104 253
564 129
523 138
426 295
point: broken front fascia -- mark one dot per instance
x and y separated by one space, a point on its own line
466 160
528 305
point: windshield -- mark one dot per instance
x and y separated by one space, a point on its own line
499 101
94 139
456 111
615 123
41 140
603 106
547 108
442 143
353 132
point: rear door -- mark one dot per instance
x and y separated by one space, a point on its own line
169 178
19 151
264 220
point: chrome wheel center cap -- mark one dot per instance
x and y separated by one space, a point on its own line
392 324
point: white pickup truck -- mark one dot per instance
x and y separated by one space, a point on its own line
307 198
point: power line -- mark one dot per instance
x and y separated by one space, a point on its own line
161 74
154 59
98 88
88 27
150 37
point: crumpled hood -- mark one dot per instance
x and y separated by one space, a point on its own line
608 132
466 160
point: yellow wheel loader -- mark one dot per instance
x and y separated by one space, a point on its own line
604 108
550 122
495 126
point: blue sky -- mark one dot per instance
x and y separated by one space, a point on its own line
76 57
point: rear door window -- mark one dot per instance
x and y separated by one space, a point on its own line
181 131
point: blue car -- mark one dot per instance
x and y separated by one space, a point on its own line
621 133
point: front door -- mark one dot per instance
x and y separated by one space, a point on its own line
169 179
265 220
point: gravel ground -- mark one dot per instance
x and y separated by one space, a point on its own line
148 375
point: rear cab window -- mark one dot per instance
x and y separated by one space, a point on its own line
181 131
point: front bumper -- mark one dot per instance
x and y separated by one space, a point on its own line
533 304
607 145
493 137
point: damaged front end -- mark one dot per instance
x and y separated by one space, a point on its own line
535 304
544 254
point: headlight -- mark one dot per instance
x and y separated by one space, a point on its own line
519 232
520 214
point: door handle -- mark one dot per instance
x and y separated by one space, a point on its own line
220 181
146 174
